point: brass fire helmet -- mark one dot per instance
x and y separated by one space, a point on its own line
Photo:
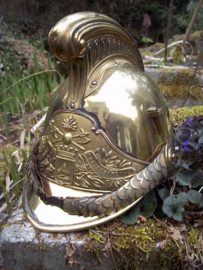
107 135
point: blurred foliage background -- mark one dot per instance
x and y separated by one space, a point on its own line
34 18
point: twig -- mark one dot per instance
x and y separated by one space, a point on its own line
200 189
8 179
3 194
197 9
112 253
162 223
119 234
169 46
192 79
4 206
119 252
173 187
38 124
3 136
180 250
170 12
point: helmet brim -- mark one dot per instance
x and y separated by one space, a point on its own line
53 219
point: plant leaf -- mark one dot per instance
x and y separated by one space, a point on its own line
194 145
148 204
184 179
182 136
184 165
200 141
164 193
196 126
195 197
173 206
197 181
130 217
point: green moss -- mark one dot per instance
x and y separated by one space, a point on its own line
193 237
180 114
174 84
4 226
134 247
195 36
178 56
94 249
152 50
140 248
36 247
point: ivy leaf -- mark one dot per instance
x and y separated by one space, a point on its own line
184 165
200 141
194 145
130 217
173 206
184 179
197 181
163 193
195 197
148 204
195 137
182 136
191 161
189 119
196 126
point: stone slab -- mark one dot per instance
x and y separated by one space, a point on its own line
174 83
25 248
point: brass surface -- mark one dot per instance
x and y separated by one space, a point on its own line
95 209
122 104
53 219
73 154
105 122
104 43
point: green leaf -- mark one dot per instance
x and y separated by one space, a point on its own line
24 154
7 196
146 39
182 136
163 193
200 141
148 204
195 197
194 145
195 137
197 181
173 206
5 158
184 165
196 126
184 179
130 217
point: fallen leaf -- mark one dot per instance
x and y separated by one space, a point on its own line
194 215
142 219
106 250
199 224
175 232
162 244
70 250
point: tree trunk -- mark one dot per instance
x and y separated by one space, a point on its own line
170 12
194 17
